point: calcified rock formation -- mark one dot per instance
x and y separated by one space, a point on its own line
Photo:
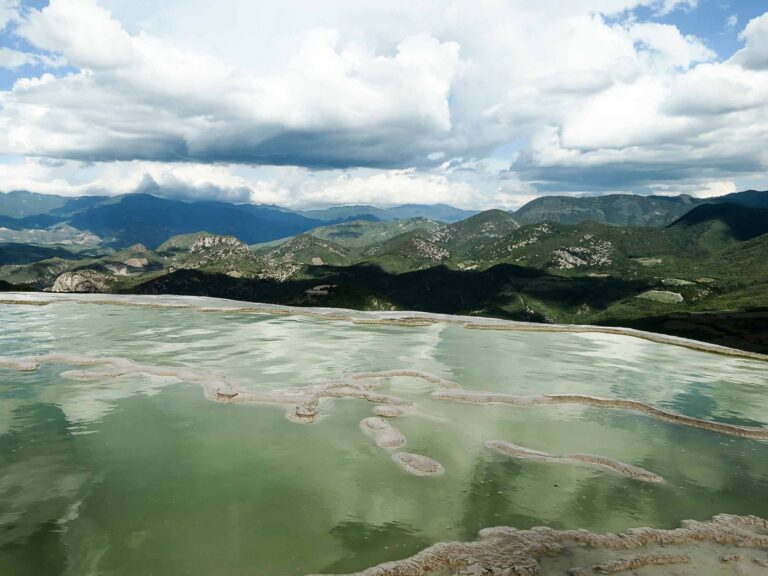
473 397
513 326
634 562
418 464
395 321
730 557
416 319
389 411
82 281
302 403
386 436
515 451
383 433
426 376
507 551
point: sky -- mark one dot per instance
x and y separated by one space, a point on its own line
474 103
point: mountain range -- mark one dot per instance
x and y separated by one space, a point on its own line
120 221
700 272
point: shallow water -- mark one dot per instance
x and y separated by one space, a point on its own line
144 475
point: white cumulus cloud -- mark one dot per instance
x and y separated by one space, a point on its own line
379 102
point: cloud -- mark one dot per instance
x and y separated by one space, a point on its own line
382 102
755 54
707 120
8 12
714 90
716 188
341 98
336 102
666 48
699 190
481 186
664 7
13 59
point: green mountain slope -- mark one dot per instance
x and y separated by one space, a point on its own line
409 251
456 244
616 209
14 253
306 249
470 237
141 218
145 219
440 212
727 221
751 198
20 204
705 274
360 233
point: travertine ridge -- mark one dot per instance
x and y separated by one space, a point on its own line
516 451
478 397
505 551
399 318
302 403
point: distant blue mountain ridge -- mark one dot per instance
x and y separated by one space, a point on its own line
150 220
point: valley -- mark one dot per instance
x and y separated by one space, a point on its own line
702 274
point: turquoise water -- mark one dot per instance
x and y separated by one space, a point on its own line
144 475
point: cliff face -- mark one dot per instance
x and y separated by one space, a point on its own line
223 243
82 281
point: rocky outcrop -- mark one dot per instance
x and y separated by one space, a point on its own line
82 281
278 272
209 250
566 259
136 262
223 244
589 252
